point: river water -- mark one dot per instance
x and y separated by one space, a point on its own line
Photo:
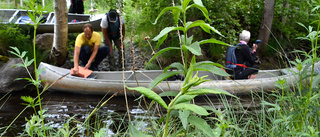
62 106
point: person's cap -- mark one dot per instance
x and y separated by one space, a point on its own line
112 15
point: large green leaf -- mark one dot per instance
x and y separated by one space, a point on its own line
165 31
196 23
199 2
194 48
165 10
202 125
150 94
212 69
177 65
191 107
185 4
213 41
162 77
160 41
162 51
202 91
208 63
169 93
183 115
135 132
202 8
184 98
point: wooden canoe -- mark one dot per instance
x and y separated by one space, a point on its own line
109 82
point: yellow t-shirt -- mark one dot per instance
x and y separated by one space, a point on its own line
82 40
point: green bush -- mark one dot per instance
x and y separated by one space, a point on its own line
10 35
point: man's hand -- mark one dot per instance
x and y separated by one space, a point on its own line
75 71
87 66
111 50
254 47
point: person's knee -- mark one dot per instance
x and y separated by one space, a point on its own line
85 49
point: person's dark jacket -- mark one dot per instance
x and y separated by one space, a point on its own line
244 56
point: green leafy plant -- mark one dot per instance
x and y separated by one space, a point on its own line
188 47
35 14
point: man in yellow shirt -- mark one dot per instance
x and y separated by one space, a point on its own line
88 50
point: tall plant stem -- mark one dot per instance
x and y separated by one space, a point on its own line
185 41
314 57
169 111
36 77
178 33
122 53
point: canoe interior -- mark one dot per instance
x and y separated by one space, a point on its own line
72 18
152 74
5 15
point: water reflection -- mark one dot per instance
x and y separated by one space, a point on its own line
62 106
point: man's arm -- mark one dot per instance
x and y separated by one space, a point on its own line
248 56
76 60
106 38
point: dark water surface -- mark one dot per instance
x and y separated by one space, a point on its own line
62 106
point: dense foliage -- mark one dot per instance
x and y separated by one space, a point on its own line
230 17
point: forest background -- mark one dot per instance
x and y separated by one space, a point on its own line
227 16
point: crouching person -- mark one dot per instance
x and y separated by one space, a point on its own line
88 51
243 66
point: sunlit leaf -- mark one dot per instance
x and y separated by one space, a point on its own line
28 63
29 79
185 4
195 48
191 107
203 9
165 31
150 94
202 125
23 54
162 77
198 64
212 69
212 40
165 10
199 2
39 71
14 53
184 98
160 41
19 64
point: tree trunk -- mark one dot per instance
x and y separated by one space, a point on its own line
266 24
60 40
